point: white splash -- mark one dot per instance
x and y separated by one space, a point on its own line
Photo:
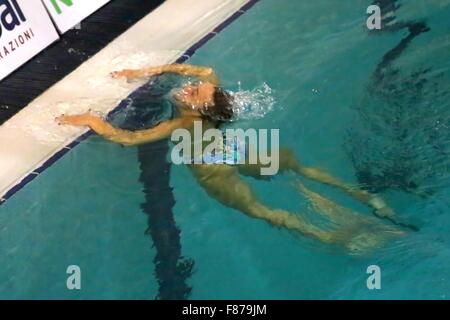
253 104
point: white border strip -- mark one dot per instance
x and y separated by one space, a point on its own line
32 137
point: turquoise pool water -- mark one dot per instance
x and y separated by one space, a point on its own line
320 61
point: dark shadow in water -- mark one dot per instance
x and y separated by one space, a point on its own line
389 23
415 29
401 141
172 270
144 109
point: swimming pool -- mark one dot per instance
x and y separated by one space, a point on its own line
93 206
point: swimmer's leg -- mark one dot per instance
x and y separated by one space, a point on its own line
224 184
357 232
288 162
254 170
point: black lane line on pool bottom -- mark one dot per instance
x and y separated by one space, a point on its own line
171 268
147 109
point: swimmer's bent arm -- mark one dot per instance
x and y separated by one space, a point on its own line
125 137
204 73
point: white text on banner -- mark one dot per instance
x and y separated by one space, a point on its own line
25 30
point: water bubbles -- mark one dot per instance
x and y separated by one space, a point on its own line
253 104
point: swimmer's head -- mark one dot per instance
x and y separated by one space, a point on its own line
196 96
210 101
222 109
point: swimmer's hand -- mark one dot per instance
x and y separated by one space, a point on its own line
131 74
127 73
80 120
381 209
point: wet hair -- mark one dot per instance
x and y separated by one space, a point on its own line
222 110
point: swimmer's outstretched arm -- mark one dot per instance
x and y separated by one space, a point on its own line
204 73
124 137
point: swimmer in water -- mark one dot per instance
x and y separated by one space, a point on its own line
207 102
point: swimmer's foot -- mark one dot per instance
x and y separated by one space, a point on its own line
363 243
382 211
357 233
380 207
360 239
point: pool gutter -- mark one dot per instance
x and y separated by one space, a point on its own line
31 141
